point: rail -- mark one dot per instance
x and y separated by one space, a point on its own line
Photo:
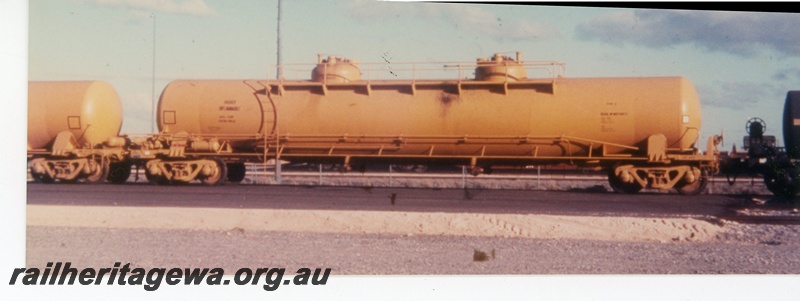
266 170
532 179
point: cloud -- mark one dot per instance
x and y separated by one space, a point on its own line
470 19
790 75
735 95
185 7
740 33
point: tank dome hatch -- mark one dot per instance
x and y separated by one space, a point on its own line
500 68
335 70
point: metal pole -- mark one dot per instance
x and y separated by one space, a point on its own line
277 170
464 177
278 76
279 63
153 92
538 176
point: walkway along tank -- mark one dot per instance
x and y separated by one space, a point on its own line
641 130
73 132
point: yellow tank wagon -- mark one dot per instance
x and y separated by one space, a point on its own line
642 130
73 132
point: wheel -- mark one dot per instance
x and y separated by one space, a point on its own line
157 180
100 171
39 171
236 172
695 188
119 172
42 177
782 182
68 181
622 187
218 174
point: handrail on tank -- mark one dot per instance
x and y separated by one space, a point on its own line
560 138
417 71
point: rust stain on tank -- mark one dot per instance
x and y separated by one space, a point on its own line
447 99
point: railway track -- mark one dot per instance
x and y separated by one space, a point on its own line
761 209
740 208
257 175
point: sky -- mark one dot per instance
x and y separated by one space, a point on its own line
741 63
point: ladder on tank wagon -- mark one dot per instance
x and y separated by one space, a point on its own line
269 129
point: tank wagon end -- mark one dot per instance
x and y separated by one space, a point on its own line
73 132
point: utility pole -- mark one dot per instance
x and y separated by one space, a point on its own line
279 62
278 76
153 91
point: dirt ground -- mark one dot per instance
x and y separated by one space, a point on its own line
378 222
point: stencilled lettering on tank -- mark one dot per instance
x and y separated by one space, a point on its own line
609 118
228 106
227 119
